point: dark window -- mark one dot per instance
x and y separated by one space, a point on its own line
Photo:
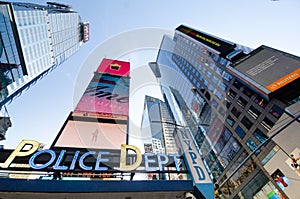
235 112
253 112
260 101
237 84
276 111
246 122
240 132
267 123
231 93
242 102
248 92
227 103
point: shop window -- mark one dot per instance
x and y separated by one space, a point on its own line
276 111
246 122
253 112
240 132
235 112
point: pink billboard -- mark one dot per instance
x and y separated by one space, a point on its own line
107 95
114 67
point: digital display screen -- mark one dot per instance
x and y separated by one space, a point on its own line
270 68
107 95
83 134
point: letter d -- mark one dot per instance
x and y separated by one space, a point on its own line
123 166
18 152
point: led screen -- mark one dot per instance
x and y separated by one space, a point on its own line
83 134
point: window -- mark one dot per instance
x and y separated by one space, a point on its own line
215 80
237 84
253 112
235 112
252 146
223 86
227 103
276 111
211 88
218 94
260 101
260 136
248 92
242 102
222 111
227 76
240 132
230 120
246 122
231 93
267 123
219 71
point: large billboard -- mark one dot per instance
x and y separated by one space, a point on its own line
91 134
107 96
222 46
100 119
268 69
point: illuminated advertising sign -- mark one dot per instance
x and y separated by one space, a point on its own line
114 67
86 32
107 96
223 47
92 134
268 69
90 160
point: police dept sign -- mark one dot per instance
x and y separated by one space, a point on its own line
91 160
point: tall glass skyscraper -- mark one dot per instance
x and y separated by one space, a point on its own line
34 40
229 97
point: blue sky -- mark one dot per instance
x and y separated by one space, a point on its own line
40 112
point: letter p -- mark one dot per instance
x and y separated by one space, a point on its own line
18 151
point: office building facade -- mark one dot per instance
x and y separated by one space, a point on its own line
34 40
230 96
